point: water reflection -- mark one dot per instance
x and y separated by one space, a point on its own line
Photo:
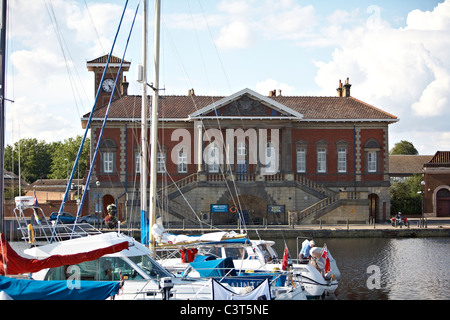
408 268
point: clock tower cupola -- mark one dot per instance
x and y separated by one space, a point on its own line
98 66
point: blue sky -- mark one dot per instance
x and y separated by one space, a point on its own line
394 52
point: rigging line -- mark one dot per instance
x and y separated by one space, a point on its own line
87 127
215 47
93 25
217 117
104 122
62 45
229 169
196 107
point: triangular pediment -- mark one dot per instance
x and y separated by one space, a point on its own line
246 104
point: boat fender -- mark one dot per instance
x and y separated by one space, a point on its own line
31 237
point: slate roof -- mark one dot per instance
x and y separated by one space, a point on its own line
312 108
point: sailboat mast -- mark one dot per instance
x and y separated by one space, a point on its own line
144 129
154 123
2 114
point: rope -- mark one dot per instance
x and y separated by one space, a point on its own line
104 123
87 127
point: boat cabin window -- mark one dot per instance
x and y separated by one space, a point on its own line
267 253
210 251
106 269
236 253
150 267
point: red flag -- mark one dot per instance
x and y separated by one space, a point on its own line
327 267
285 258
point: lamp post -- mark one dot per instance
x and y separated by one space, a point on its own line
97 183
423 200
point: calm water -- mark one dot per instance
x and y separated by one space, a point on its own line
409 269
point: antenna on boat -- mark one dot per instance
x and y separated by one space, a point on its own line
154 124
146 235
142 77
2 113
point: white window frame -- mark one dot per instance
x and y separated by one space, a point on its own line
301 160
372 161
342 160
137 162
321 160
270 166
108 162
161 162
241 149
213 159
182 162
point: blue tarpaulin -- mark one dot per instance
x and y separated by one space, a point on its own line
225 268
20 289
214 268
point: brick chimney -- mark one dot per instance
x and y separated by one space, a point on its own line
347 86
273 93
124 86
344 90
191 92
339 89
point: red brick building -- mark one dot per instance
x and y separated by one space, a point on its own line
276 158
436 188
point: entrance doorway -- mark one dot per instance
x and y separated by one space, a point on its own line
107 200
373 206
443 203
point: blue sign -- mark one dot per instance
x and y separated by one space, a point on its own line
275 209
215 208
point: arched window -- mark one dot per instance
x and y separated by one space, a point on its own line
372 156
443 193
108 156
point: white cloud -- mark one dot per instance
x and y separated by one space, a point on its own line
438 19
384 62
237 35
404 71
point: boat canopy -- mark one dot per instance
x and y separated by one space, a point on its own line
21 289
83 244
214 268
11 263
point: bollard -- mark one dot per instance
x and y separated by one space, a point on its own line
320 223
347 225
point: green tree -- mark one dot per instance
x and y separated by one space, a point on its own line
35 159
404 148
39 159
406 195
64 156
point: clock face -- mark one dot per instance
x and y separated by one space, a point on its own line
108 85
